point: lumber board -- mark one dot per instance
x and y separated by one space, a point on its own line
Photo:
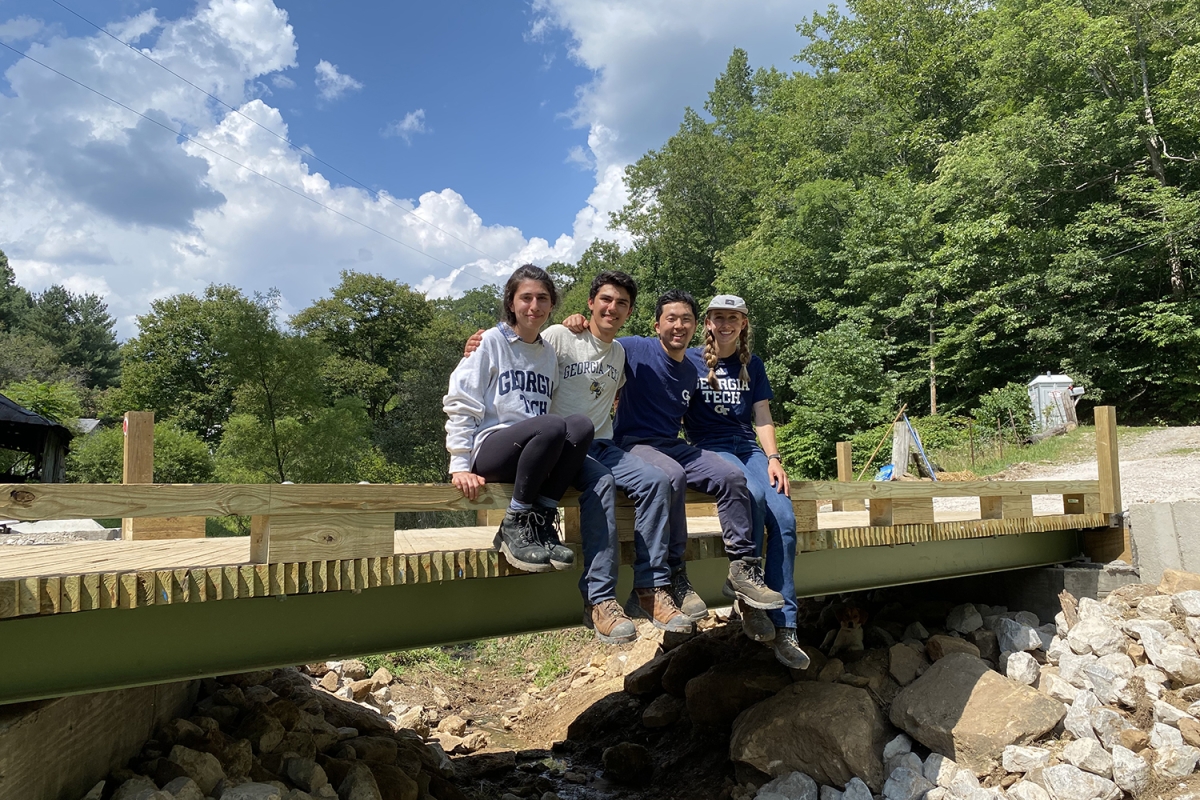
66 501
307 537
991 507
1081 503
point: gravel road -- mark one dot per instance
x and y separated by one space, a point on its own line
1160 466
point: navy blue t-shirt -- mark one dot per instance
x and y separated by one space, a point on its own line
725 413
656 393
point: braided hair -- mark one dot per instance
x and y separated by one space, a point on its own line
744 352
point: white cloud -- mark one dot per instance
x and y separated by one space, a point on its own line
282 82
19 28
332 84
99 200
412 124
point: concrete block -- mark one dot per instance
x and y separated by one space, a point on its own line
1165 536
62 747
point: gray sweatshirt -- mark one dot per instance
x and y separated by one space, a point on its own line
502 383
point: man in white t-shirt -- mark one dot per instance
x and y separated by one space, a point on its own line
591 368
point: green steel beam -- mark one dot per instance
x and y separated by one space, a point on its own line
99 650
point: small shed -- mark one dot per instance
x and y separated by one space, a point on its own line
1053 401
43 442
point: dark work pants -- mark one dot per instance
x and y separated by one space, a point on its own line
607 469
539 456
707 472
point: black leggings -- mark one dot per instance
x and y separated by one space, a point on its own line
540 456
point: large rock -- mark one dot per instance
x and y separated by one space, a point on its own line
829 731
203 768
1180 663
1078 721
628 763
1065 782
1175 762
1090 756
647 678
1015 637
962 709
964 619
939 646
1175 581
717 696
1130 771
1096 635
1024 759
793 786
906 784
690 659
905 664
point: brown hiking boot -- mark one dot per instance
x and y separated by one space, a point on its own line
657 606
610 623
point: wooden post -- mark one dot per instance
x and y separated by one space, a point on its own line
1111 543
1108 460
901 440
138 467
845 471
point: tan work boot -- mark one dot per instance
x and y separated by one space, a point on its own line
657 606
610 623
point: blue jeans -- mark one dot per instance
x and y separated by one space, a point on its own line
774 509
606 469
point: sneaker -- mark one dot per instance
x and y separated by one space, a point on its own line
658 606
685 596
609 621
545 522
745 582
519 543
756 624
787 649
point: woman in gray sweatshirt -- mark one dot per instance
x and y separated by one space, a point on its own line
498 427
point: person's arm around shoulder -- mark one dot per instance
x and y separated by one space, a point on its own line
465 405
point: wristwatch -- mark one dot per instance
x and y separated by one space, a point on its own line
775 456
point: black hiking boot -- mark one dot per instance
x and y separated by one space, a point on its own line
519 543
745 582
545 522
690 604
755 624
787 649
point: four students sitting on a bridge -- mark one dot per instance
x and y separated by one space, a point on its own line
642 455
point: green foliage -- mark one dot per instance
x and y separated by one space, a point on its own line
57 402
81 330
841 388
1005 412
326 445
939 434
179 456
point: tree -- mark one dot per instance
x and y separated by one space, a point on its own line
80 328
180 456
326 446
371 325
177 367
57 402
14 300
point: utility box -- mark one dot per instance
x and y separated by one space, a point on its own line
1053 400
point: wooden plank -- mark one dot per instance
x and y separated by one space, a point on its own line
127 590
260 529
181 586
197 585
308 537
702 509
845 473
1107 544
1081 503
1005 507
880 511
49 594
144 528
1108 460
9 605
66 501
571 531
806 514
71 585
89 592
138 455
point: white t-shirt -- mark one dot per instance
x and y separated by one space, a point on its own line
589 373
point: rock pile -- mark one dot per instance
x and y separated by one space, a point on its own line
1100 703
278 736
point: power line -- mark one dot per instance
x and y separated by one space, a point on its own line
377 195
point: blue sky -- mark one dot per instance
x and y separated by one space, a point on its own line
502 127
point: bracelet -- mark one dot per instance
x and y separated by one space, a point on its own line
775 456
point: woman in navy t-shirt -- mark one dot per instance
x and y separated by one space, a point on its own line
730 414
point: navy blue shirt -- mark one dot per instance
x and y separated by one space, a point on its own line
727 412
656 393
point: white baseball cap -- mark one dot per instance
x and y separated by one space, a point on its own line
728 302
